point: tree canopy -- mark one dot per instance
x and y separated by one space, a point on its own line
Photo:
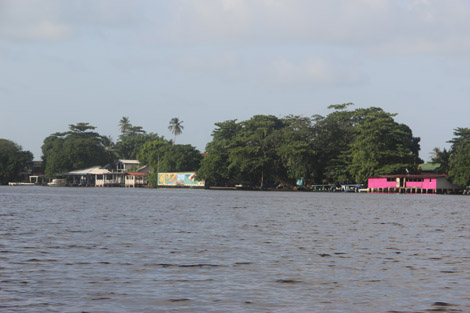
459 159
131 140
345 146
162 155
78 148
13 161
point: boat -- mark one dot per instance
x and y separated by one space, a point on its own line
57 182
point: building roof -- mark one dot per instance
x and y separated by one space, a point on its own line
130 161
95 170
425 175
429 167
137 174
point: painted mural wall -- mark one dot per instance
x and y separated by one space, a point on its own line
179 179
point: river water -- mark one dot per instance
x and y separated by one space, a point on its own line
148 250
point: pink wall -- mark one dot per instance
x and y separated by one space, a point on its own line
381 183
427 183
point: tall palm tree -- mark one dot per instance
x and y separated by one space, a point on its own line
124 124
435 154
176 127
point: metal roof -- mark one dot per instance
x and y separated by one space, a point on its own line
130 161
95 170
411 176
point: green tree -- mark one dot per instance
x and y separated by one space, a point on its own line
176 127
296 150
132 139
441 157
80 147
380 146
152 153
253 151
459 160
354 145
180 158
346 146
214 169
163 156
13 161
331 138
124 124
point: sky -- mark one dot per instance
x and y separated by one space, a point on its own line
208 61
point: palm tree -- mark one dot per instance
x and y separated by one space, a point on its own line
435 154
124 124
176 127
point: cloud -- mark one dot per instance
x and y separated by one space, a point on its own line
435 25
221 62
313 72
55 20
379 26
226 65
32 20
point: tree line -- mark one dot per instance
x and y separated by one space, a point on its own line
347 145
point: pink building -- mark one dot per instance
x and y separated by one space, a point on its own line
424 183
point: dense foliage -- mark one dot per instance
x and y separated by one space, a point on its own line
459 159
13 161
78 148
345 146
131 140
164 156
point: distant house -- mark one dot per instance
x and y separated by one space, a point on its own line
423 183
94 176
36 174
109 176
127 165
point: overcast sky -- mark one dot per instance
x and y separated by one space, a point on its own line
207 61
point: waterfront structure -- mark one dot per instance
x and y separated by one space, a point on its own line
36 173
423 183
93 176
108 179
103 176
139 178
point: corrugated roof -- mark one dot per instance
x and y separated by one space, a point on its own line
411 176
429 167
95 170
130 161
137 173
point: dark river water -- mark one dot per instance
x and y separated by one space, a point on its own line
148 250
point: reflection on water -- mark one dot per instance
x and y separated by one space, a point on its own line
122 250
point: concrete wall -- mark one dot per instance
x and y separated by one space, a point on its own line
381 182
427 183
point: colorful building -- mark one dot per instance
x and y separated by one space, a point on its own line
187 179
423 183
